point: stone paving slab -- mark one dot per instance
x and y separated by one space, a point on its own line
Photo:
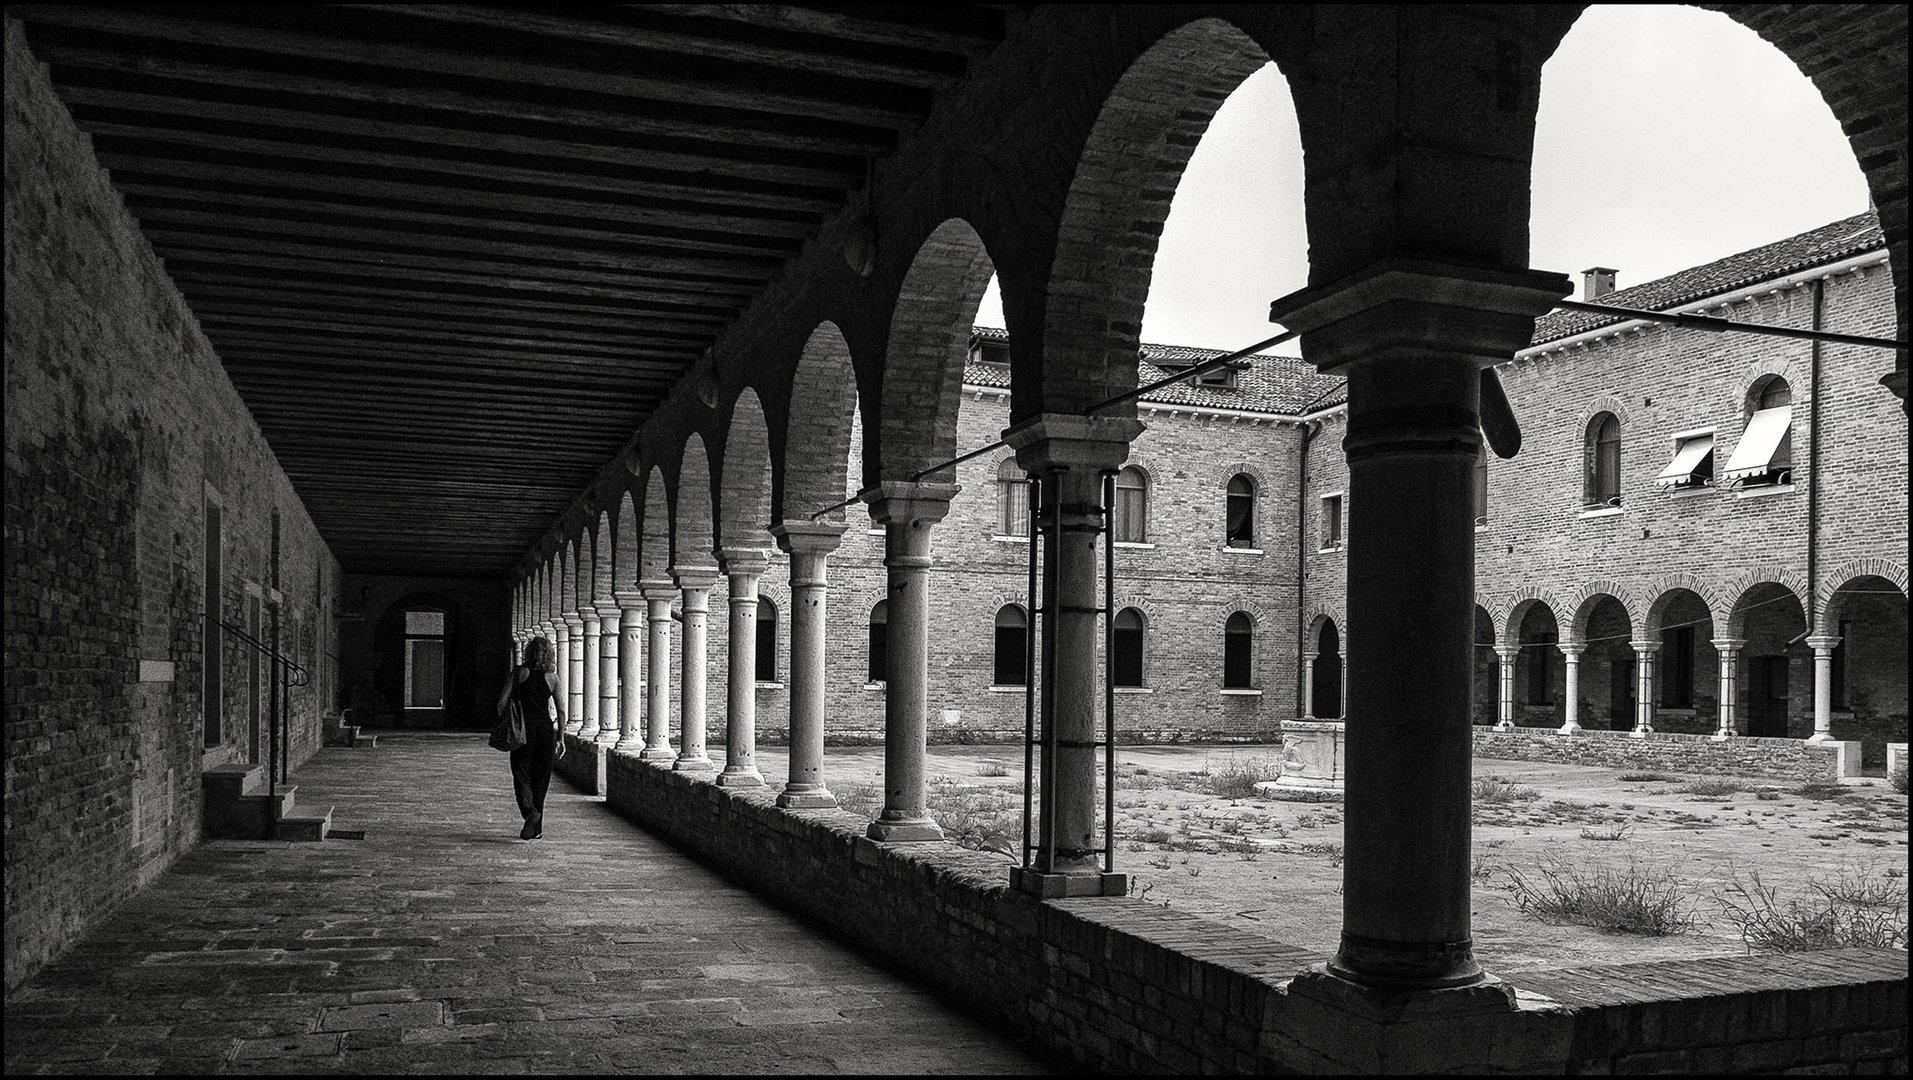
442 943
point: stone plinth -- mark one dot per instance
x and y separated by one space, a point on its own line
1312 754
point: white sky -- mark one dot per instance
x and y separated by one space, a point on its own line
1668 137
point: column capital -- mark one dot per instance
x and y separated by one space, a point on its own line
808 537
1647 648
628 598
1572 649
1508 652
573 622
694 577
1053 441
905 502
1729 644
1823 642
743 560
1406 304
658 589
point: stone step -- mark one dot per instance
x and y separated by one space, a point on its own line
303 827
234 815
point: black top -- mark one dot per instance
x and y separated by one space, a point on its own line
534 695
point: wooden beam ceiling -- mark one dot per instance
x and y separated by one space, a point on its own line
453 257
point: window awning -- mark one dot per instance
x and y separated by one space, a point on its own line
1692 456
1755 453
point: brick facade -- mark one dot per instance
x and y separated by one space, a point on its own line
121 429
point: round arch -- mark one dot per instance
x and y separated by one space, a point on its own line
928 346
744 494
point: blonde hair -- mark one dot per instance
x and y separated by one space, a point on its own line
539 655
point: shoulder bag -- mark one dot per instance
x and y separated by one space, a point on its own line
509 733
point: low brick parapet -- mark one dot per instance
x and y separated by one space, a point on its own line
1779 759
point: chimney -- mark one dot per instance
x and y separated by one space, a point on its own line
1596 282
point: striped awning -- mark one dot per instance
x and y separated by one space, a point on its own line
1693 462
1754 456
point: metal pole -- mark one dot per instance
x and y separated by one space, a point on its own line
1720 326
1109 672
1051 602
1029 671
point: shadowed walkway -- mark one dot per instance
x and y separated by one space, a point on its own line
443 943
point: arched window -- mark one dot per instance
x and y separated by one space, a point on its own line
880 641
1012 646
1238 643
766 641
1239 530
1132 507
1764 454
1126 659
1325 678
1012 500
1603 461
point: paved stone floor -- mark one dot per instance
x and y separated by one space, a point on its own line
443 943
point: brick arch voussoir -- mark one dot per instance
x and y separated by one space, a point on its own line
1749 580
603 551
693 507
1150 613
1847 572
1667 585
927 347
1120 191
1312 636
625 564
1522 601
744 491
654 553
1589 594
1002 598
823 404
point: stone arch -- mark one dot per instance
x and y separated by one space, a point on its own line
603 551
744 495
1666 591
821 423
1748 582
1001 598
1312 628
1523 601
1606 403
568 579
693 527
624 562
1590 595
1884 571
1118 199
928 346
654 554
1151 617
1482 612
1253 610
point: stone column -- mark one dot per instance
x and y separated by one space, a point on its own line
742 567
907 511
1822 646
609 617
1728 651
809 545
1571 652
694 582
1505 656
590 653
657 705
575 673
1412 336
561 662
630 673
1308 684
1644 653
1069 456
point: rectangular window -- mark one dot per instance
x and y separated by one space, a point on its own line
1012 650
255 691
766 647
1016 508
1127 656
1677 675
1331 522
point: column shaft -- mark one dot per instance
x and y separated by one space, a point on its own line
907 516
1644 653
592 653
1571 652
809 546
608 668
1728 650
696 587
742 569
657 705
1505 656
1822 646
575 673
630 673
1307 711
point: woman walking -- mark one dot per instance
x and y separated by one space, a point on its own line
536 689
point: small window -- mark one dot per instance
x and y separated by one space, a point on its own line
1692 465
766 641
1603 473
1132 507
994 353
1481 485
1764 454
1238 641
880 641
1126 659
1012 647
1222 378
1331 522
1239 530
1012 499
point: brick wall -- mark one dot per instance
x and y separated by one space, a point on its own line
1115 984
121 427
1782 759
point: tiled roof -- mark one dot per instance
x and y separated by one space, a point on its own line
1826 244
1285 385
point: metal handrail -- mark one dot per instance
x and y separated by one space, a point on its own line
282 701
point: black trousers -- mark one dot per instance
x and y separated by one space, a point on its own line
531 767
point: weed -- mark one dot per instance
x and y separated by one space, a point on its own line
1194 871
1898 779
1767 796
1606 832
1620 900
1853 910
1153 836
1649 777
1500 789
986 767
1482 870
1713 786
1822 789
1322 847
1238 776
1308 821
979 822
1160 862
860 799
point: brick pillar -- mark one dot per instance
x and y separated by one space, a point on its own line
694 582
742 567
907 511
1504 681
1644 653
1412 335
657 704
1069 456
1822 646
609 617
809 545
591 655
630 671
1728 649
1308 684
1571 652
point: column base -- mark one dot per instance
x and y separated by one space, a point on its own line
1327 1024
588 734
1504 725
1642 732
1722 736
1819 737
1049 886
1404 966
1569 728
630 746
609 738
662 755
906 831
693 764
740 776
817 799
